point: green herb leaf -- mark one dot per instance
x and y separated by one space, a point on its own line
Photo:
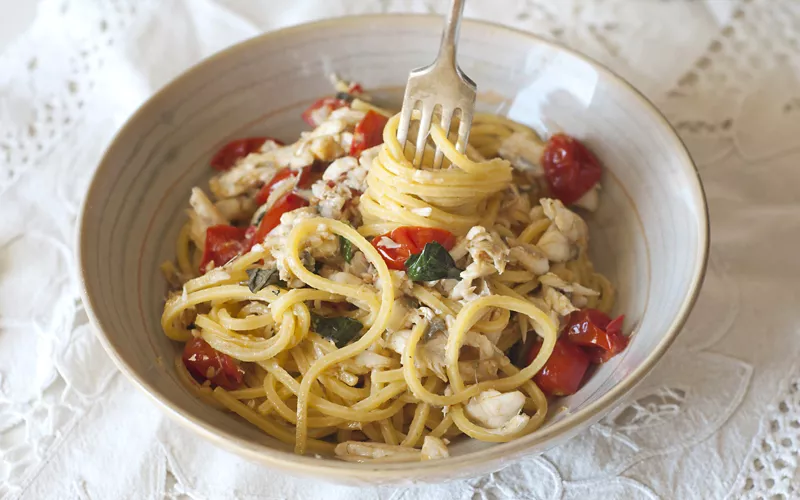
346 247
259 278
345 96
433 263
518 353
340 330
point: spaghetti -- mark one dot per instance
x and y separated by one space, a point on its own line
382 310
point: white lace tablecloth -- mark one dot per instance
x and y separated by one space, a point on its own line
719 417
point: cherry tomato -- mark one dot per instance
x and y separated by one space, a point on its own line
206 363
231 152
355 89
273 216
223 243
319 111
570 168
249 234
303 182
564 371
410 240
368 132
592 329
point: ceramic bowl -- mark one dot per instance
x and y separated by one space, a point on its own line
650 235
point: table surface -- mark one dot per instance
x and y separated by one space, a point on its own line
718 418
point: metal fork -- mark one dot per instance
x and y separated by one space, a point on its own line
441 84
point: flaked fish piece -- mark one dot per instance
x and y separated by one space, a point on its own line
568 222
523 152
556 246
558 302
202 216
484 246
555 281
348 172
331 199
590 200
433 448
497 411
238 208
530 257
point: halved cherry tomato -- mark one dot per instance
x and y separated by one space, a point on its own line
317 112
206 363
355 89
410 240
273 216
368 132
227 156
595 331
223 243
563 372
305 180
249 234
570 168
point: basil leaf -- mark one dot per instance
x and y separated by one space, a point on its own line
433 263
518 353
344 96
259 278
346 247
340 330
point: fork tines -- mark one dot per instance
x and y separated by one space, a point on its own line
442 91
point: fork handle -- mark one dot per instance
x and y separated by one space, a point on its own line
447 50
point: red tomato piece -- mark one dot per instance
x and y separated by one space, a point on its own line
223 243
410 240
423 235
231 152
355 89
594 330
570 168
249 234
305 180
395 257
317 112
273 216
368 132
563 372
206 363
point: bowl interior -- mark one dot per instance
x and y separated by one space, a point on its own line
648 236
